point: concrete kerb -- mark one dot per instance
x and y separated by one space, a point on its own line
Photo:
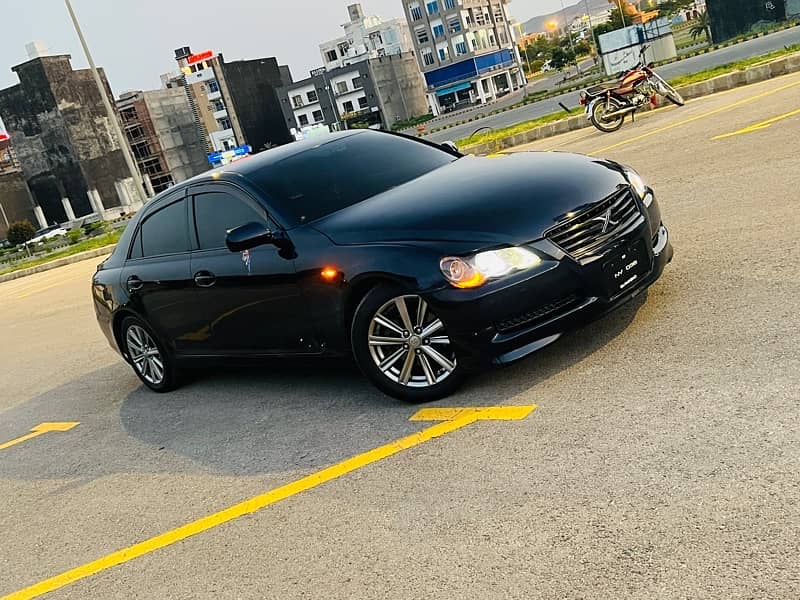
59 262
780 66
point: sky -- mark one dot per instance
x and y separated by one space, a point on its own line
134 40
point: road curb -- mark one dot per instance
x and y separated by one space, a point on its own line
59 262
781 66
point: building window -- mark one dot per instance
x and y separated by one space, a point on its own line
438 31
362 102
348 107
217 105
312 96
433 7
461 48
415 11
357 85
213 86
224 123
330 56
341 87
444 53
303 120
449 4
498 14
422 35
318 116
454 24
297 101
427 57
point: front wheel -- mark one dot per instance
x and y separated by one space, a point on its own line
600 118
403 347
669 92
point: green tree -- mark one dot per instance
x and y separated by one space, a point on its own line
562 57
20 232
673 7
701 25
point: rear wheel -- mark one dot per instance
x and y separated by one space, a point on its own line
403 348
148 357
599 117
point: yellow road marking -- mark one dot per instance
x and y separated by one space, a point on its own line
460 418
698 117
40 429
758 126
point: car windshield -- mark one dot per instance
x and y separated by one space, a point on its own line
322 180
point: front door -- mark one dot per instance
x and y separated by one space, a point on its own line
246 302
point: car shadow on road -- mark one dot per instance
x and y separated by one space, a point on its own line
272 417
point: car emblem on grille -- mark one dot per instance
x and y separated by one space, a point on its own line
606 221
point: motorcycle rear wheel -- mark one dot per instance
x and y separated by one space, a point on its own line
600 109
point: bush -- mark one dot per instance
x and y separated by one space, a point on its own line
74 236
95 228
20 232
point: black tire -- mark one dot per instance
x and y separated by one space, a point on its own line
426 378
675 97
168 376
606 126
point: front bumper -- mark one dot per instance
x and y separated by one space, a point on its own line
513 320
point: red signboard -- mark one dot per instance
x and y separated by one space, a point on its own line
200 57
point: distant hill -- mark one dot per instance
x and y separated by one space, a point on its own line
537 24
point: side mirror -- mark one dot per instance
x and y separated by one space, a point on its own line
248 236
450 147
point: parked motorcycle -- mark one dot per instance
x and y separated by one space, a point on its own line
608 104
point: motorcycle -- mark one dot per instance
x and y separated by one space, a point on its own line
608 104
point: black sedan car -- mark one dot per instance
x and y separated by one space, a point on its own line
420 262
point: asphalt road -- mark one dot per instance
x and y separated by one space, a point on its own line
661 460
756 47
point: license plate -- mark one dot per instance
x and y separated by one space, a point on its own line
626 268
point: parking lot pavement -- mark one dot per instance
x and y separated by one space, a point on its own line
661 460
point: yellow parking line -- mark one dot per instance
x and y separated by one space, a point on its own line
456 419
758 126
40 429
698 117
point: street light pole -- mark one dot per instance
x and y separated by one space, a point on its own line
112 117
569 37
591 28
621 13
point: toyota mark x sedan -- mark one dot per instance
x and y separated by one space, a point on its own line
420 262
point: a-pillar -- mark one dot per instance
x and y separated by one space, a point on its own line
68 209
39 213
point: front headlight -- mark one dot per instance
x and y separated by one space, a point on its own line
474 271
637 183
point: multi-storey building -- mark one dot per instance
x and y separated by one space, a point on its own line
161 131
465 49
234 104
366 37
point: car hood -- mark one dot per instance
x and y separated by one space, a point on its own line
508 199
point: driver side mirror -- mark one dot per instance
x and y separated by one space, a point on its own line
450 147
248 236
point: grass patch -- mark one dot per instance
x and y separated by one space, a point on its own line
498 134
91 244
732 67
413 122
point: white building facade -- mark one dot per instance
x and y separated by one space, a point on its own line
465 49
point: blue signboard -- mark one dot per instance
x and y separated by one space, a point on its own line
225 156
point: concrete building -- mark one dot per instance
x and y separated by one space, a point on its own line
366 37
371 93
465 49
234 104
16 202
64 145
162 134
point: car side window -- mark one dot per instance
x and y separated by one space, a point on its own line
164 231
216 213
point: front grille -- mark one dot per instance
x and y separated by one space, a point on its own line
539 314
583 234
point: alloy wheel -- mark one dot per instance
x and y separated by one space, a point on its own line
408 343
144 354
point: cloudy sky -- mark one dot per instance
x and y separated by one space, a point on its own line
134 39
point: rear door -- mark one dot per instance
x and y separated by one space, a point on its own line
247 302
156 274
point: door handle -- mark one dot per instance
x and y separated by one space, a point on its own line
204 279
134 283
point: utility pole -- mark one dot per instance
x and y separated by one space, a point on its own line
112 117
591 28
569 37
621 13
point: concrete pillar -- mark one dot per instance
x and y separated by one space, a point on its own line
122 193
508 80
39 213
98 202
492 89
148 185
68 209
481 93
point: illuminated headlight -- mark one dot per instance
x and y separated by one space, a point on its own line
474 271
638 185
